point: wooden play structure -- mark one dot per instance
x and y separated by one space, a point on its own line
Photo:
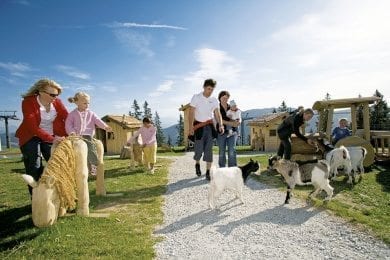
359 137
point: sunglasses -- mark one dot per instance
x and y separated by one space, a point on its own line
50 94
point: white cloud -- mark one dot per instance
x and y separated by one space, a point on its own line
341 48
137 42
138 25
16 69
164 87
73 72
215 64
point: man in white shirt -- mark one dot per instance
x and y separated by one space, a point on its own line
203 109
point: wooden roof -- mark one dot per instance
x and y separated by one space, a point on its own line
125 121
343 103
267 119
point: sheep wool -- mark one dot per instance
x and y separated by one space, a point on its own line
61 166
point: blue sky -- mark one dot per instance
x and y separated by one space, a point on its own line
263 52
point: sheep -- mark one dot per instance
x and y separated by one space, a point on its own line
229 178
314 173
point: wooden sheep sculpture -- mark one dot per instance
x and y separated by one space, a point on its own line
64 181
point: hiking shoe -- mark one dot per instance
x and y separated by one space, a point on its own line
197 168
208 175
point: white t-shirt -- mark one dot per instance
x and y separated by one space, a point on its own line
234 115
204 107
47 118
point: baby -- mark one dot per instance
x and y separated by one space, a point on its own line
234 113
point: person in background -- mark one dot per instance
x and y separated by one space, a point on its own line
291 125
203 109
43 124
225 139
340 131
148 134
82 122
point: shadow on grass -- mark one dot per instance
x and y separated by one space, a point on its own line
118 172
383 177
17 227
139 196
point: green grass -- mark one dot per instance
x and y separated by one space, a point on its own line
366 204
125 233
10 151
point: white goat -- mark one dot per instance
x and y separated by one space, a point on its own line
229 178
351 158
357 155
339 157
312 173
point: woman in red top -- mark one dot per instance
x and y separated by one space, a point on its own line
43 124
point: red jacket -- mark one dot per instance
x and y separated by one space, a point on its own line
32 118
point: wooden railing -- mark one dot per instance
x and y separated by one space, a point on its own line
381 142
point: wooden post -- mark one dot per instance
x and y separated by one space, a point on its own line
329 123
320 112
366 121
353 119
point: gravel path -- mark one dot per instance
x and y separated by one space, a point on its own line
262 228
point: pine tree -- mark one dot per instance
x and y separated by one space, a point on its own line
273 110
160 134
180 131
147 110
169 140
282 107
380 114
137 111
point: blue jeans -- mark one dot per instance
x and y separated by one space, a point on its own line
230 142
32 152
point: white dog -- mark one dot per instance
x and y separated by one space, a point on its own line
229 178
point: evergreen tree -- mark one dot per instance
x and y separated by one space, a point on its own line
147 110
169 140
324 116
180 131
136 110
160 134
273 110
283 107
380 114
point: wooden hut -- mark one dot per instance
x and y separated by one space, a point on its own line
263 131
123 128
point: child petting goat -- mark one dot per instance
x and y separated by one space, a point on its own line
229 178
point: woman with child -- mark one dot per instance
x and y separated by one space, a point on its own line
227 139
